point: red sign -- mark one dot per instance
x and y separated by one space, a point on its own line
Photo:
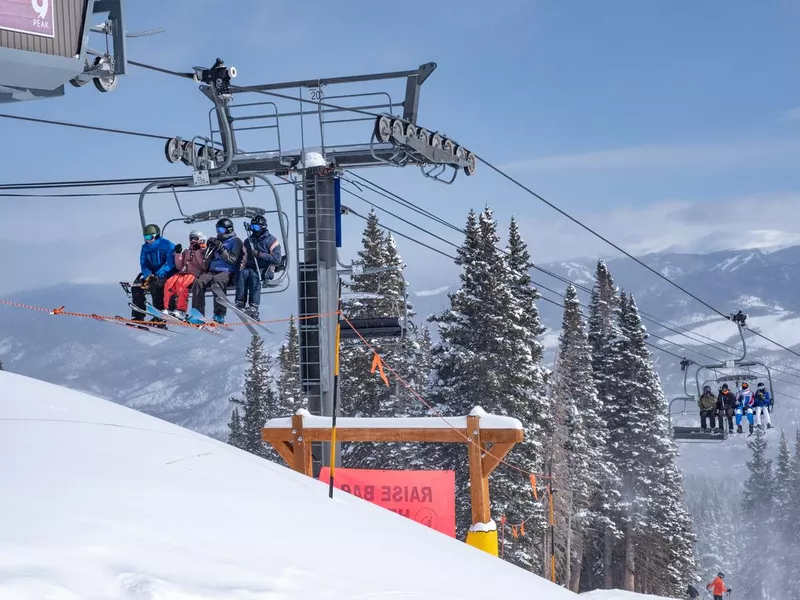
427 497
28 16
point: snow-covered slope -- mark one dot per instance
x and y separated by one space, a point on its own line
617 595
101 502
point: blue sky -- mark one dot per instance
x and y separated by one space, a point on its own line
659 123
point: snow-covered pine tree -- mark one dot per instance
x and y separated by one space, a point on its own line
791 585
658 537
1 366
522 381
757 509
604 335
581 434
259 400
235 437
782 517
290 397
365 394
484 358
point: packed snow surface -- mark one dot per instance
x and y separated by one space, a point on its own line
101 502
617 595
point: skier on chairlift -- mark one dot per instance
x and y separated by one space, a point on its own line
157 263
223 255
762 402
189 264
745 405
726 405
260 255
708 405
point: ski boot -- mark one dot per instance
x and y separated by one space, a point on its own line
739 429
252 312
156 322
769 425
194 320
751 431
218 319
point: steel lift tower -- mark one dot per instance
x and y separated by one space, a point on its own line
381 132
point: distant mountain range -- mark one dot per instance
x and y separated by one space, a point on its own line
188 379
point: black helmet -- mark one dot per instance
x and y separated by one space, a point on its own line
224 226
153 231
721 575
258 225
724 386
760 384
707 388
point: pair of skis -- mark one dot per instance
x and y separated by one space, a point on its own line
118 320
248 321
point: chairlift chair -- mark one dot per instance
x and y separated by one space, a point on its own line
684 433
280 281
380 326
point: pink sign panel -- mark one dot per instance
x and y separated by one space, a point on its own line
28 16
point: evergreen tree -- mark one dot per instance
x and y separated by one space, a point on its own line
290 397
1 366
604 336
783 518
483 327
235 437
653 513
258 403
580 435
757 507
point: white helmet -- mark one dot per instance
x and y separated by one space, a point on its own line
198 234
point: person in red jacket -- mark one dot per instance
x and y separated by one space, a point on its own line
718 587
189 264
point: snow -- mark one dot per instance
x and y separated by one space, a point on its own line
484 527
101 502
316 422
314 159
617 595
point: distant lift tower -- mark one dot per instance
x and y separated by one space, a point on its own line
45 44
363 114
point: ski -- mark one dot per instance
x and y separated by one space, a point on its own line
196 314
117 320
153 311
246 319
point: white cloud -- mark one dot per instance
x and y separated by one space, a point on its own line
699 156
759 221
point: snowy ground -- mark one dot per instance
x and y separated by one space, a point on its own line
617 595
101 502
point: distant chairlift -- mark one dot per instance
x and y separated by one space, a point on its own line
688 405
280 281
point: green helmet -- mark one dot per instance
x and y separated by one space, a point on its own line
151 230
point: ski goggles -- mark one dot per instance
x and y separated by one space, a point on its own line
256 227
149 237
194 238
222 229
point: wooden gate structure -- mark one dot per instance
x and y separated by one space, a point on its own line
489 439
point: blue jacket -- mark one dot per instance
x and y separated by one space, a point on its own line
267 252
763 398
227 258
157 258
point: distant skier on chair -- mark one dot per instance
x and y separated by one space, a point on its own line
745 405
260 255
762 402
708 409
223 255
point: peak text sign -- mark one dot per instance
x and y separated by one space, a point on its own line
28 16
428 497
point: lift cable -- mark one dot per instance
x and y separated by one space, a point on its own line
660 322
104 194
88 127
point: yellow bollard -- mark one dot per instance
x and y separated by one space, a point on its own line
483 536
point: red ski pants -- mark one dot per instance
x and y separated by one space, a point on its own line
176 291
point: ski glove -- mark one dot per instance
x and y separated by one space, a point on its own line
178 249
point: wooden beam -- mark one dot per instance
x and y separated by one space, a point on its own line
478 482
301 446
498 453
391 434
285 450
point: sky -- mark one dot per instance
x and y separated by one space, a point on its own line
667 126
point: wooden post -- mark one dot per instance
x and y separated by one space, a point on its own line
302 448
478 482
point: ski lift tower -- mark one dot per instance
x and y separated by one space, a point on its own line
45 43
359 127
